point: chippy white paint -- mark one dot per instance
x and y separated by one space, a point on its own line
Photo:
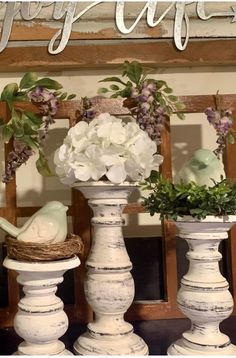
109 286
68 13
204 296
40 319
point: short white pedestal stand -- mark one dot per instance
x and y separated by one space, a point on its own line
204 296
109 286
40 319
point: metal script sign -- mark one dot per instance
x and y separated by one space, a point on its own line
67 14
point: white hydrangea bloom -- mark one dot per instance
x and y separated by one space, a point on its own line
106 147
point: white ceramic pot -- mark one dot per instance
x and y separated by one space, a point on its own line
204 296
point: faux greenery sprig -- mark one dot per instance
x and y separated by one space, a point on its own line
149 100
27 129
173 200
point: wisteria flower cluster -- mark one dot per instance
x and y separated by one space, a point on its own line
27 129
106 148
222 121
150 101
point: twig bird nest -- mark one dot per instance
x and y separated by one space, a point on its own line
28 251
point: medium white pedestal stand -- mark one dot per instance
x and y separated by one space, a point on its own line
109 286
40 319
204 296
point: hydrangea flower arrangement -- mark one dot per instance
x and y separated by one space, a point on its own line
106 148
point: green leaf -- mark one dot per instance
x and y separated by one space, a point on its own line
168 90
180 116
7 133
2 122
42 165
114 87
160 84
173 98
31 142
71 96
48 83
28 129
28 80
134 71
103 90
113 79
63 96
9 92
171 201
33 118
17 127
230 138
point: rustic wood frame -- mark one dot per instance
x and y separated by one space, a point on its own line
153 52
80 311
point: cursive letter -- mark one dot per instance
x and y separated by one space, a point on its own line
120 16
151 13
64 34
11 12
181 15
26 7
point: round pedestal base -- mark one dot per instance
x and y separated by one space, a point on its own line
51 349
183 347
130 345
64 353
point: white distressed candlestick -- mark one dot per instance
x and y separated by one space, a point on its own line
204 296
40 319
109 286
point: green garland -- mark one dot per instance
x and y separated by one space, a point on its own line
177 200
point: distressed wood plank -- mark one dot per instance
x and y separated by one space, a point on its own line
103 29
94 55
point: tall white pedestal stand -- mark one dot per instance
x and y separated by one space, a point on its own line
204 296
109 286
40 319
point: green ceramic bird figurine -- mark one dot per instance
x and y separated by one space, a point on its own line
202 168
47 225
